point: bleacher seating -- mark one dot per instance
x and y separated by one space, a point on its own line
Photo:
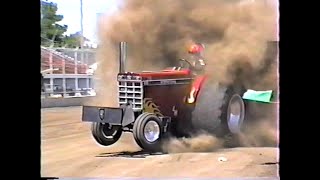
58 59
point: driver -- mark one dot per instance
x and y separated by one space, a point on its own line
196 51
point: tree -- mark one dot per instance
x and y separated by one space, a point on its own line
50 30
74 40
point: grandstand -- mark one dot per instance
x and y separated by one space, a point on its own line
65 76
64 64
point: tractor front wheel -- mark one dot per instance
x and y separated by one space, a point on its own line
147 132
106 134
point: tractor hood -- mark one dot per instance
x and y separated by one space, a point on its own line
165 74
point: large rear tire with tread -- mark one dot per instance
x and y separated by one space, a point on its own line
147 132
105 134
218 110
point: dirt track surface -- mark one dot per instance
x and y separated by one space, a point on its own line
68 150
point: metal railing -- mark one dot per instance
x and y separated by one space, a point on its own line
51 58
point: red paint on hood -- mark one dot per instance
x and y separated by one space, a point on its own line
165 74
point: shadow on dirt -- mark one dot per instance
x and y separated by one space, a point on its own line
270 163
127 154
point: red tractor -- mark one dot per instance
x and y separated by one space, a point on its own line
178 102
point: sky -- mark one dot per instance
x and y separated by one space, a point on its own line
70 9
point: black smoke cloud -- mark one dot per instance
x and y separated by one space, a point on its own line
236 36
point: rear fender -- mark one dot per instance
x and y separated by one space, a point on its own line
195 88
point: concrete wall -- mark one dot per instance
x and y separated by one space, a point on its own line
63 102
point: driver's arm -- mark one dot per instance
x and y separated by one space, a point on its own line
202 63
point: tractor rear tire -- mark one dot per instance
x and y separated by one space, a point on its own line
143 134
212 111
104 134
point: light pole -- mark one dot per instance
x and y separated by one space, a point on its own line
81 19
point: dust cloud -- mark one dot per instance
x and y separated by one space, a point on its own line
105 77
200 143
258 134
238 48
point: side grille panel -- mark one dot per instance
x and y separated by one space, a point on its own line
131 91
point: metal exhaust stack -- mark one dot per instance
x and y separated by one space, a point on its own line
122 57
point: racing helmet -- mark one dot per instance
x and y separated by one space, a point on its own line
196 48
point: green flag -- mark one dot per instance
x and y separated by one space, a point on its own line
260 96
